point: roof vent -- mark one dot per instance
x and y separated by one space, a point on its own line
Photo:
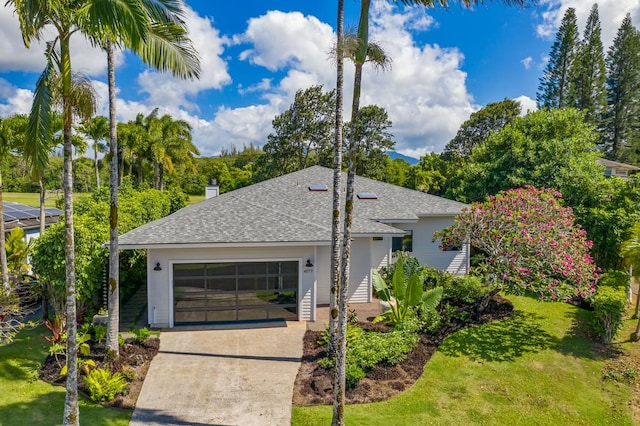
367 196
318 187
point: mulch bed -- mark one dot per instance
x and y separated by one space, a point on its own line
314 384
133 356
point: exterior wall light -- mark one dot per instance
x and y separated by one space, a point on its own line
157 267
309 264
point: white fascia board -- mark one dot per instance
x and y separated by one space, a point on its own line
223 245
400 233
439 214
387 221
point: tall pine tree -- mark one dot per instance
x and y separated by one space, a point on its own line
557 85
591 71
622 131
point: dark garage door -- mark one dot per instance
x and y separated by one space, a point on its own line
244 291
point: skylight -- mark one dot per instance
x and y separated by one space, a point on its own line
367 196
318 187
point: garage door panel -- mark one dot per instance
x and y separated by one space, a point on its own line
222 284
235 291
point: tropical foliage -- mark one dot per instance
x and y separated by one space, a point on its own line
530 242
405 293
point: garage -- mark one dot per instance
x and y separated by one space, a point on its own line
238 291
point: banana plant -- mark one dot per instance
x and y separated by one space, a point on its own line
405 295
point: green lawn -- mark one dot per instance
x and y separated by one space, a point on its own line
33 199
30 199
25 400
533 369
195 199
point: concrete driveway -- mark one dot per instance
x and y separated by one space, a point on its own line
222 377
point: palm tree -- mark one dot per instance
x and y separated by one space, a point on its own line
338 339
96 129
630 251
5 147
341 312
166 48
176 148
129 21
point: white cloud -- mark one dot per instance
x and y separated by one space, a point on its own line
526 62
17 101
429 101
424 93
430 98
164 89
287 39
611 13
528 104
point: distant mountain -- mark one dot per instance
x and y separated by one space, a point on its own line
393 155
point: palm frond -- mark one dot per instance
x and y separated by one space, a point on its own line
36 149
168 48
33 15
378 57
165 10
123 21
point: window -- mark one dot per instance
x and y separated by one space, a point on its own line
404 243
367 196
318 187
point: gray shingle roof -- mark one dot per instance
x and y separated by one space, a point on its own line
284 210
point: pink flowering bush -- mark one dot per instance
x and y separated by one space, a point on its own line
530 242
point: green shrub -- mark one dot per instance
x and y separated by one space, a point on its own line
467 289
608 306
614 279
129 373
436 278
373 348
353 374
459 289
104 385
99 333
142 334
430 321
365 349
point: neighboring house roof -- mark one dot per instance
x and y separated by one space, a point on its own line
26 217
616 165
283 209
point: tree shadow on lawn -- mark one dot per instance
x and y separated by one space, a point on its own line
581 341
47 409
501 340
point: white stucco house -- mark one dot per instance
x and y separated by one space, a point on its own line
614 168
263 251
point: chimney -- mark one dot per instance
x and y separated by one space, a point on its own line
212 189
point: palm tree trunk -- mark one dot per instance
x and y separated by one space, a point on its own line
335 345
114 258
140 173
43 193
95 163
156 175
337 178
4 270
43 222
71 412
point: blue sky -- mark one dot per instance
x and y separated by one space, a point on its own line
447 63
